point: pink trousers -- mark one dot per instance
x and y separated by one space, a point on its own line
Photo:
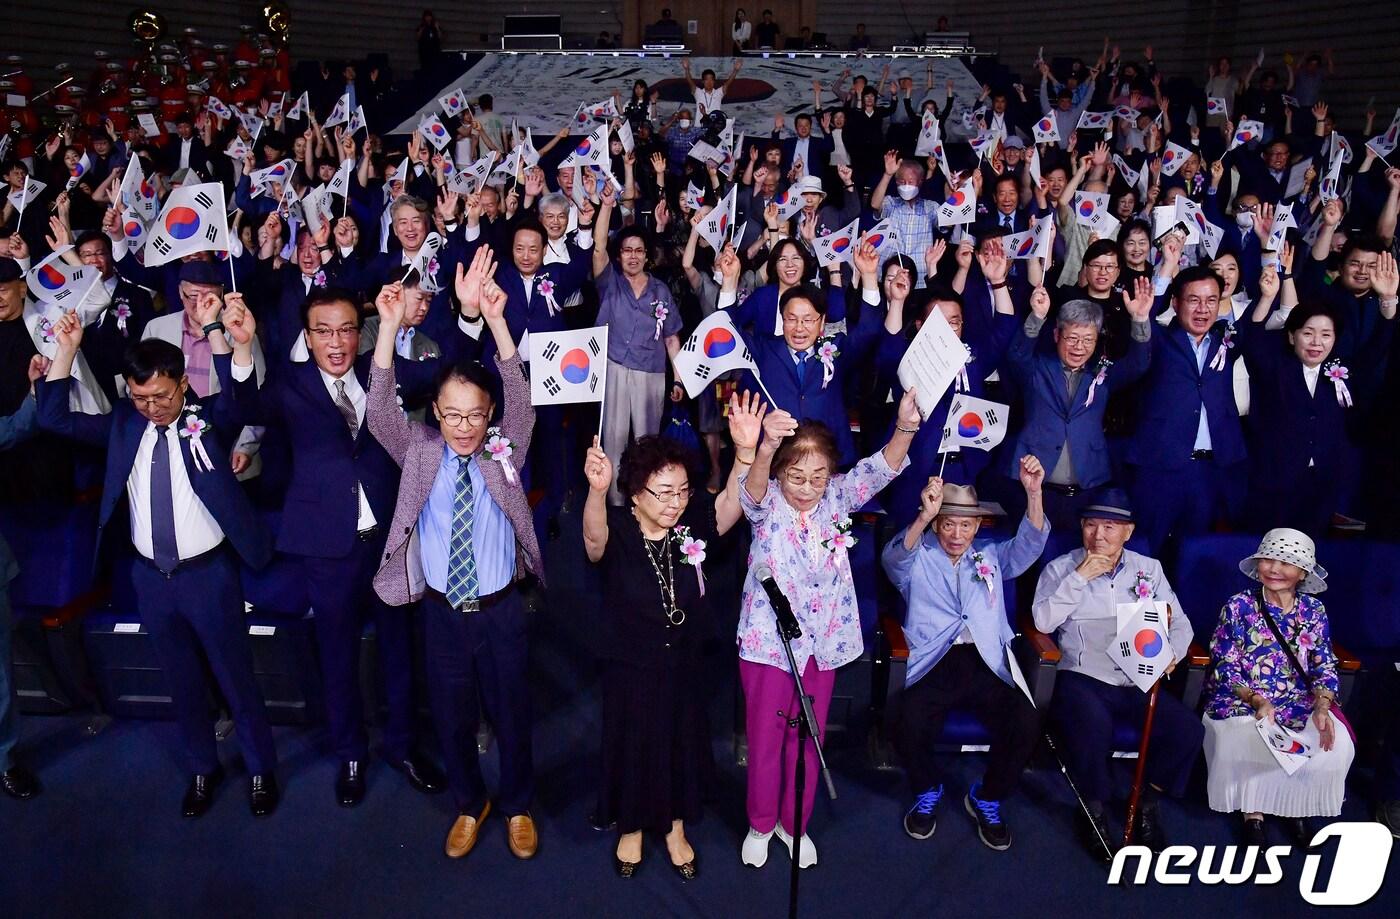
769 700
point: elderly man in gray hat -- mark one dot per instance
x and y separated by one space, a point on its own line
956 626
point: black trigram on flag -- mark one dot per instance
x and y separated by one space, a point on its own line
991 416
550 350
593 382
161 245
203 200
981 441
62 295
1147 669
593 345
1124 649
690 344
747 358
702 371
552 386
1151 615
211 232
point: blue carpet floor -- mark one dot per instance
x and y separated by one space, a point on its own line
106 839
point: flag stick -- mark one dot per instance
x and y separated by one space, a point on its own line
1139 773
600 423
228 236
23 200
772 403
942 465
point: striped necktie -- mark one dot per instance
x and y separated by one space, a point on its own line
462 582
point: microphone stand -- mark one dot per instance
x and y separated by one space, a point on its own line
805 720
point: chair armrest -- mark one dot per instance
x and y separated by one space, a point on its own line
1346 661
1197 656
1043 645
894 637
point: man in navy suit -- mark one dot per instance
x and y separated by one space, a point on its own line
1185 460
190 523
314 265
185 150
335 519
811 151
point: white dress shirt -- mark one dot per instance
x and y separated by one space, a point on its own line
708 101
196 530
185 146
356 394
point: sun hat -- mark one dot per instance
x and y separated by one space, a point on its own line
1291 547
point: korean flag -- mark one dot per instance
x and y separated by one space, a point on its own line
454 103
715 347
570 366
1141 648
1094 120
837 246
340 114
1047 130
434 131
193 220
973 422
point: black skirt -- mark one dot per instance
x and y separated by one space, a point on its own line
657 759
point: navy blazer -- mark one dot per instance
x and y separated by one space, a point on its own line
320 518
120 433
1055 418
1171 395
281 295
819 150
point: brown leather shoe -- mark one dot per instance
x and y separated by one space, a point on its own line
462 836
522 837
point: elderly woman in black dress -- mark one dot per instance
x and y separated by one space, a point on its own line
656 738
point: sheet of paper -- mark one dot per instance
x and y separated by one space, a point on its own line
934 358
1288 747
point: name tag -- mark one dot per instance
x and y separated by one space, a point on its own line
262 630
126 628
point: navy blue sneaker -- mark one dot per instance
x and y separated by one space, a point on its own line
920 821
990 827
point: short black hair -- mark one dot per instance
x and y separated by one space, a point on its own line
809 261
1299 315
153 357
803 116
466 370
322 296
1101 247
1194 275
1365 242
485 100
626 233
804 291
648 456
91 236
533 226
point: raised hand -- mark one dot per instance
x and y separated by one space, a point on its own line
908 416
38 368
1385 279
777 425
493 300
1094 566
746 413
931 498
68 333
1332 213
1269 282
467 284
729 268
891 162
993 262
964 254
1032 473
1040 302
866 260
346 233
534 183
208 308
597 468
238 319
1263 221
661 214
1139 305
934 254
390 305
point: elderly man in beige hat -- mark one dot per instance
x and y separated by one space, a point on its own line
957 629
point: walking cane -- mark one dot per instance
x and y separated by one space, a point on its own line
1140 773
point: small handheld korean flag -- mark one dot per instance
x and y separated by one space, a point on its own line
30 192
694 197
884 236
434 131
340 182
454 103
1215 105
253 124
1019 245
473 177
1129 174
278 172
1289 748
1126 113
1278 231
1331 183
218 107
55 281
1246 131
133 229
717 223
1094 120
1385 144
1141 648
1174 157
624 134
238 149
715 347
137 193
569 366
300 108
340 114
960 208
599 110
1087 204
357 121
973 422
193 220
789 203
1047 130
929 135
591 151
78 170
837 246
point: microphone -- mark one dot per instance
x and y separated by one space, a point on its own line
782 609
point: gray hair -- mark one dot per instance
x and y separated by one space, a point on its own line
413 201
1080 312
554 201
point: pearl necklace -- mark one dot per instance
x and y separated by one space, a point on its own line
667 581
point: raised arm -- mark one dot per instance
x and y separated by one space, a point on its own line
600 230
776 426
745 426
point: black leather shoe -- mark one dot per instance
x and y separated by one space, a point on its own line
350 783
1090 832
421 773
200 795
1254 833
19 782
1148 831
262 795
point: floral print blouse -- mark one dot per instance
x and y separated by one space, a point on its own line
1244 652
808 554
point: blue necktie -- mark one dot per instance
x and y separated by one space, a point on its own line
801 367
163 546
461 563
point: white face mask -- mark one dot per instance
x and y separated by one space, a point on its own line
908 192
1244 220
683 123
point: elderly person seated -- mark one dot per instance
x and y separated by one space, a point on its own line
958 638
1271 658
1077 599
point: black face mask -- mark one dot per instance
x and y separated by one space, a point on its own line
1333 261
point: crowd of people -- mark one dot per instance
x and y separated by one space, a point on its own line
1201 338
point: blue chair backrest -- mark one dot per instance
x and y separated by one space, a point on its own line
1207 574
1363 595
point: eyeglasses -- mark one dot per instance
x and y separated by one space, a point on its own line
153 401
671 497
809 322
1102 266
797 480
632 250
1201 301
1087 341
324 333
454 419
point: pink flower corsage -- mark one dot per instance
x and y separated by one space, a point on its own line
319 278
842 538
123 312
1227 341
827 352
193 427
547 291
692 553
1335 371
1100 374
1307 642
46 331
1142 586
432 266
982 572
659 312
499 448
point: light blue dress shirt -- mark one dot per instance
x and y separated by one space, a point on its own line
493 537
1202 351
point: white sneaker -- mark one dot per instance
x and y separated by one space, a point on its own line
809 851
755 851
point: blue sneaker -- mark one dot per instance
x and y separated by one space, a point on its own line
990 827
920 821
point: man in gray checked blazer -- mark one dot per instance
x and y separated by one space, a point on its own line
461 541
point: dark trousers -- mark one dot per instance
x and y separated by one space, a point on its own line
9 718
198 610
1084 710
474 660
1184 502
343 598
1308 505
963 680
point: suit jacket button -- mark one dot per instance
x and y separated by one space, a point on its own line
386 556
406 531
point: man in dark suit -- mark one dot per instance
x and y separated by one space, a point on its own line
1186 458
1265 173
123 320
462 540
315 265
190 523
338 502
813 152
184 150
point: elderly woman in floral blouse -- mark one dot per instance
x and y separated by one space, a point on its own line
801 531
1271 657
